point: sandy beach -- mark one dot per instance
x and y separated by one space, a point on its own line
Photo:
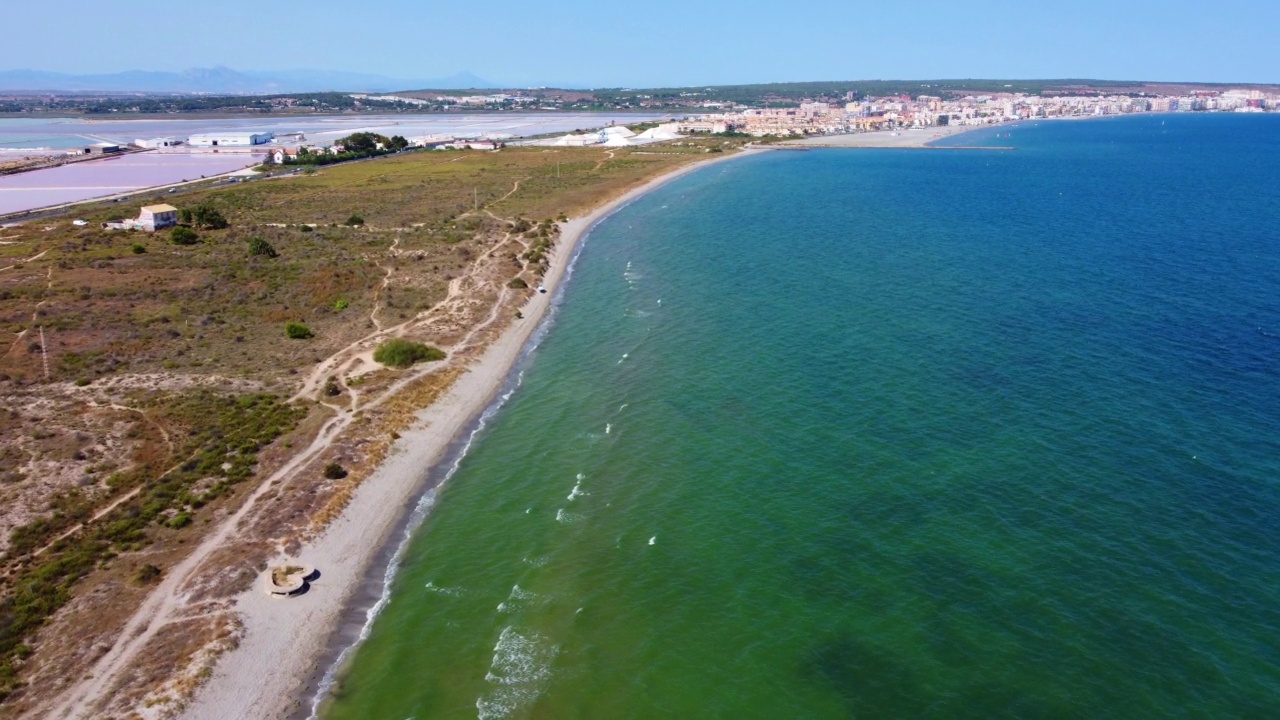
912 138
289 643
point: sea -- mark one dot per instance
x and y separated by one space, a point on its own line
880 434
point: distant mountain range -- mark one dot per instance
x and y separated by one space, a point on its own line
224 80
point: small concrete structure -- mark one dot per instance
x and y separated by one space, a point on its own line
286 580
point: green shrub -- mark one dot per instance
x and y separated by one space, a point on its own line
138 249
146 574
401 353
334 471
258 246
355 220
517 284
184 236
207 216
297 331
180 520
306 228
341 304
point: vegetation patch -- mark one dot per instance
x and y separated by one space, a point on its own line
260 247
401 353
222 435
183 235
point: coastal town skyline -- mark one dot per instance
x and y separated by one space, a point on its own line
666 44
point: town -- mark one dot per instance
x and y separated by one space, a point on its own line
922 111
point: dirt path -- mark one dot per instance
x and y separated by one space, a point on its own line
600 164
127 496
33 258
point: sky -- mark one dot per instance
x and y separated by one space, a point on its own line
652 43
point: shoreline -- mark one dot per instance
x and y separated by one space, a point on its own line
910 138
293 647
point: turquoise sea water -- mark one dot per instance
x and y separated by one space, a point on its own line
882 434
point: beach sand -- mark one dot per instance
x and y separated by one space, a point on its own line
289 643
913 138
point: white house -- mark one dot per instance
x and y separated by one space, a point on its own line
280 155
157 217
232 139
151 219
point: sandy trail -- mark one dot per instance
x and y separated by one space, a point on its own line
33 258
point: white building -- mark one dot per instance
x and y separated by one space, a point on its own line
157 217
230 139
157 143
151 219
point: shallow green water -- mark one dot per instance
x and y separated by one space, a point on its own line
881 434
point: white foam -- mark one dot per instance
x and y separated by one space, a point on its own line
519 593
653 540
519 672
577 492
608 427
451 592
567 518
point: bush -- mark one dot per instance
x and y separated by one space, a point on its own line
517 284
180 520
139 249
258 246
297 331
207 216
355 220
401 353
334 471
184 236
341 304
305 228
146 574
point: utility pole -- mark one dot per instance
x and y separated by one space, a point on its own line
44 353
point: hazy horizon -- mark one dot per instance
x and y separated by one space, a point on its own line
668 44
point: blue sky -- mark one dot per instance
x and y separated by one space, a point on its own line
659 42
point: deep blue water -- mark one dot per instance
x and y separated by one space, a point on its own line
879 434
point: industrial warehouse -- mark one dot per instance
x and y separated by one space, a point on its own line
232 139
